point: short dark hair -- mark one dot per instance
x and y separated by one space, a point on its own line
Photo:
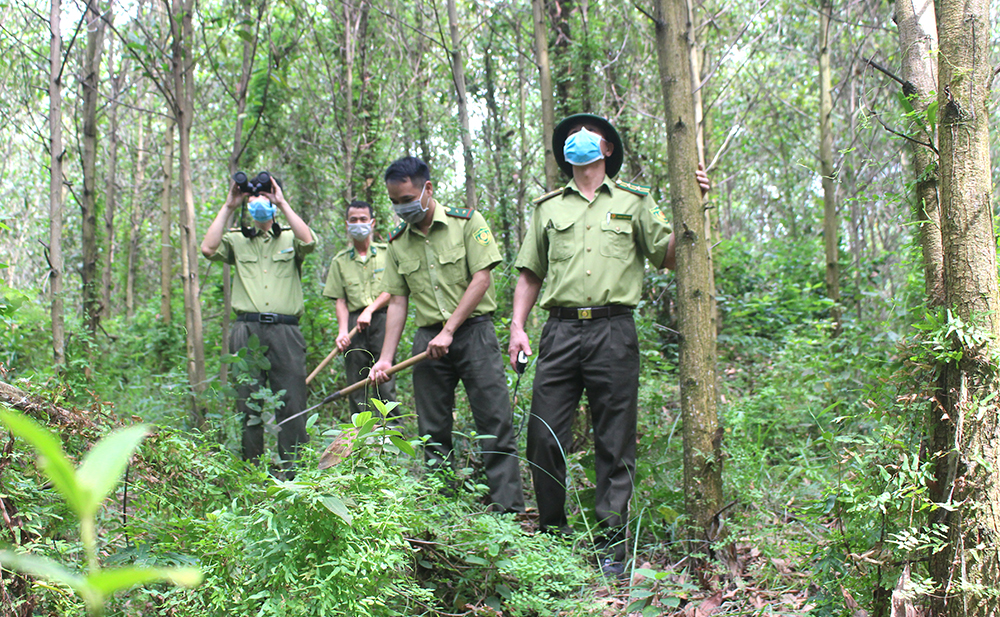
408 168
357 203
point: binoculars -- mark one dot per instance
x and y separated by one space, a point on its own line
261 183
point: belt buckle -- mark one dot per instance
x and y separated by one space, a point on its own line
583 313
268 318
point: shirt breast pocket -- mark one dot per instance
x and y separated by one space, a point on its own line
410 271
617 240
453 266
284 264
560 241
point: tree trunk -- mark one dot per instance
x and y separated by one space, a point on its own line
496 144
917 26
695 280
136 218
968 569
458 74
562 56
831 228
166 244
522 134
88 204
110 188
545 85
183 67
56 187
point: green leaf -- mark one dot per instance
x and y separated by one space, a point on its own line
109 581
102 467
403 445
53 463
479 561
43 568
336 505
246 36
312 420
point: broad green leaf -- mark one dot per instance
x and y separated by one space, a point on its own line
479 561
108 581
103 466
335 505
43 568
53 463
403 445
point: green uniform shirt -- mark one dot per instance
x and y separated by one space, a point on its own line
592 253
435 270
267 276
356 278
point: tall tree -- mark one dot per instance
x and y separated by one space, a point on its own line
458 75
183 72
136 217
967 571
90 71
916 23
56 266
831 225
166 223
695 279
546 95
111 180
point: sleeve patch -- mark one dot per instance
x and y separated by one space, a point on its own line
658 213
483 236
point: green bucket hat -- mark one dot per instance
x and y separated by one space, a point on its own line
613 163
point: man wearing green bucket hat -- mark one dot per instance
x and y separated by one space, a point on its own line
589 240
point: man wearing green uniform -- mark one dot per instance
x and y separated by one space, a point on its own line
353 282
267 298
441 258
589 241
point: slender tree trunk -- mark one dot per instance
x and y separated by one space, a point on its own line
183 66
246 70
968 569
88 203
458 74
562 56
831 227
166 244
695 280
545 85
522 136
110 188
135 219
917 26
496 144
56 187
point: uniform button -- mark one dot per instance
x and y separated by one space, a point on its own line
436 288
427 241
618 228
265 271
588 226
432 266
588 298
588 249
588 272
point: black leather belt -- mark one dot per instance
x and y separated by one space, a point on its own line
290 320
467 322
589 312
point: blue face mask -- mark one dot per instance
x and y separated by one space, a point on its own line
261 210
583 148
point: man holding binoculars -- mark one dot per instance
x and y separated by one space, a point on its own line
267 297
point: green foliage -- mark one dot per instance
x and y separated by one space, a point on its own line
84 489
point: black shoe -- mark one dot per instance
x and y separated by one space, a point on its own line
612 569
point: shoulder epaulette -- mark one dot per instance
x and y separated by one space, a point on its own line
548 196
343 252
397 232
636 189
459 213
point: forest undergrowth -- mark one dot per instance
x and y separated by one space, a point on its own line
825 487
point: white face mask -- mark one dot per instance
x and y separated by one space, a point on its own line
412 212
359 231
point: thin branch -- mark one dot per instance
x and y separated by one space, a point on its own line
871 62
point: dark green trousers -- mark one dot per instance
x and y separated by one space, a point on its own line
474 358
599 357
286 351
359 358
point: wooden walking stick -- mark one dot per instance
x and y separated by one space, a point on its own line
339 394
326 360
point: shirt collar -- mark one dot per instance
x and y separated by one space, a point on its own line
608 184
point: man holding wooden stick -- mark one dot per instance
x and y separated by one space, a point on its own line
442 258
353 282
